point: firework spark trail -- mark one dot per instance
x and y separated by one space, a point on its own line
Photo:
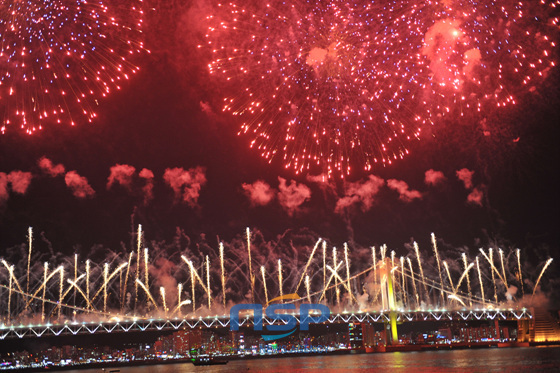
480 281
120 294
493 269
324 264
60 291
105 280
11 270
417 251
164 303
383 287
146 268
465 274
75 275
76 287
518 252
403 292
308 288
308 263
280 280
109 276
223 274
343 283
58 57
325 288
251 277
393 253
540 276
45 278
503 267
448 274
339 85
346 261
465 264
73 284
209 290
179 305
374 264
179 291
193 284
264 284
413 282
375 279
455 297
148 294
194 277
195 273
434 244
337 290
30 244
138 259
123 292
87 279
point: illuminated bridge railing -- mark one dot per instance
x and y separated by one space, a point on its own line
142 325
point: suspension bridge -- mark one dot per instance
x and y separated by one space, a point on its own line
120 297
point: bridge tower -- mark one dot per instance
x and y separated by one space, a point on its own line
386 272
392 307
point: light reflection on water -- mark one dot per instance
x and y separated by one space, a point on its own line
511 360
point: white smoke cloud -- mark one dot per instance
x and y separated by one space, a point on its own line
20 181
360 194
79 185
476 196
121 174
433 178
405 194
259 193
292 196
4 193
148 188
186 184
47 166
465 175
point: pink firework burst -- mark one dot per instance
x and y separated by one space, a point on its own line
58 57
333 86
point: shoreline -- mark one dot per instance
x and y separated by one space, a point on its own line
374 350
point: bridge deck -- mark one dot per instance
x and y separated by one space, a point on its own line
132 324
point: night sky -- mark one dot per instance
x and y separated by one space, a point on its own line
168 116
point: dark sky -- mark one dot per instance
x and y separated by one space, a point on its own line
156 122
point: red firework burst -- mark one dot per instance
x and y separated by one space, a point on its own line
333 85
59 56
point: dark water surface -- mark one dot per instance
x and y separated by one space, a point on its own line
530 359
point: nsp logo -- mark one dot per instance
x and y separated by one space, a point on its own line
309 313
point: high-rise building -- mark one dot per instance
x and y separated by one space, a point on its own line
368 335
355 337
